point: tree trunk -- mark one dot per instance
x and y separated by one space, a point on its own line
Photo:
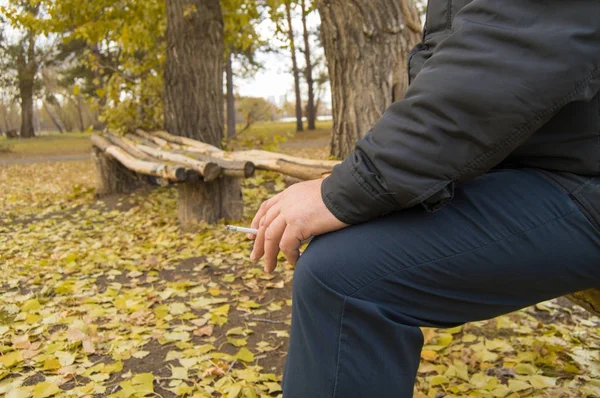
5 118
99 83
288 12
27 129
80 114
311 113
53 118
64 118
27 69
366 43
194 102
194 70
230 97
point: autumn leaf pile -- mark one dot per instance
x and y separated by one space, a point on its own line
110 298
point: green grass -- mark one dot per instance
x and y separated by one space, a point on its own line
268 134
275 128
48 145
260 135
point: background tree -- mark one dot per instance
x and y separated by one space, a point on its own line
115 53
280 12
366 44
255 109
22 58
311 113
295 70
321 82
194 100
27 67
242 41
9 114
230 95
47 108
75 74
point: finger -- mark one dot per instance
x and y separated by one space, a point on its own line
272 238
259 243
290 244
262 210
272 214
258 249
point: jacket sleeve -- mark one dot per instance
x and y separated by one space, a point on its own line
506 68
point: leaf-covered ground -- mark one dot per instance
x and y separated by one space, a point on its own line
110 298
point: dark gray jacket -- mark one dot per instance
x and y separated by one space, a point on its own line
493 84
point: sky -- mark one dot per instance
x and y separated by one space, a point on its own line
275 80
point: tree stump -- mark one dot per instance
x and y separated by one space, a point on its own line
112 177
588 299
210 201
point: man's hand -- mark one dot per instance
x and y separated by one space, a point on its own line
288 219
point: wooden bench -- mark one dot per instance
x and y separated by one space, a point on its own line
208 178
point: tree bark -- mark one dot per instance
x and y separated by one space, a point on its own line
194 70
366 44
27 69
4 118
194 102
80 113
27 129
54 119
311 113
64 118
230 97
295 70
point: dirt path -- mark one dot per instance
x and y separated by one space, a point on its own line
42 159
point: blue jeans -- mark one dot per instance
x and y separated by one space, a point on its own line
509 239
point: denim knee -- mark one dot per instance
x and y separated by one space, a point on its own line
317 270
305 283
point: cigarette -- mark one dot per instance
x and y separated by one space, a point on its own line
242 229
